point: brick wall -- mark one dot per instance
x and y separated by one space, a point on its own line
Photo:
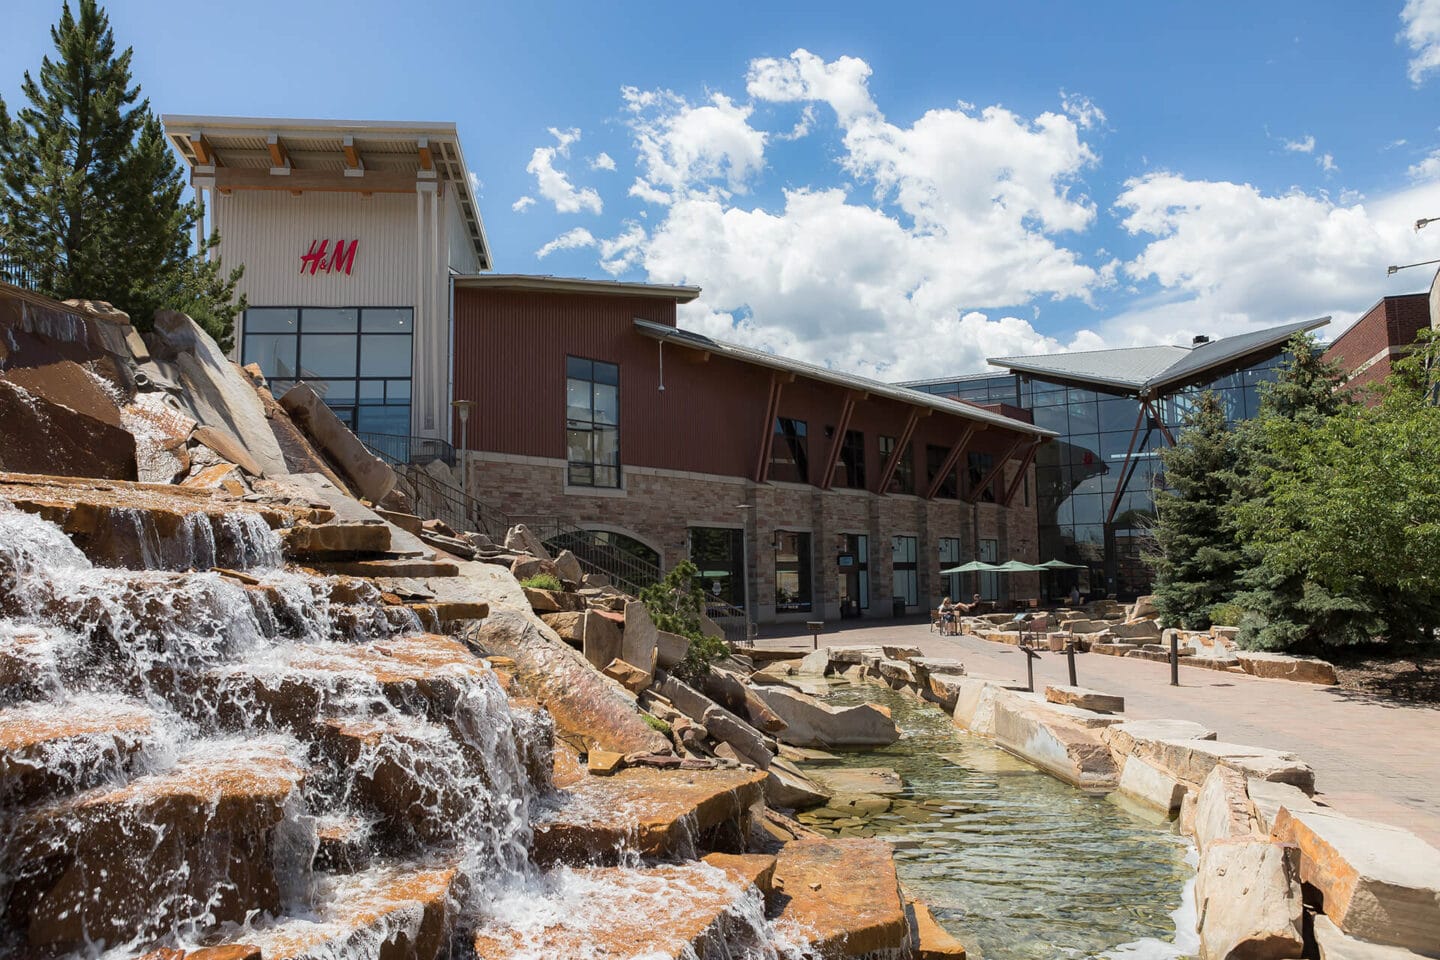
657 507
1367 350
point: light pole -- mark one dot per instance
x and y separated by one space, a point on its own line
463 408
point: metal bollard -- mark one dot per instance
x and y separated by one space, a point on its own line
1030 657
1174 658
1070 662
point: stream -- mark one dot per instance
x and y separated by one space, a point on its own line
1017 864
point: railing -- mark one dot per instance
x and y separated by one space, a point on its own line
732 620
394 448
625 570
12 272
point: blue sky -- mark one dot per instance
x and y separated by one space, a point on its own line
902 189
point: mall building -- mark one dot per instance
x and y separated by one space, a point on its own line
801 493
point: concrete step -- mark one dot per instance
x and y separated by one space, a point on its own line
647 811
197 841
52 750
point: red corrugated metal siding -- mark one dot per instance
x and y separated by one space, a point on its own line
510 350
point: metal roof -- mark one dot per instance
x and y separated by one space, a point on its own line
1150 371
734 351
549 284
388 147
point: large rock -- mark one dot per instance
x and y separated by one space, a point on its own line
640 638
1282 666
810 723
1055 744
814 663
522 539
1379 882
1138 630
853 781
368 475
1192 761
1085 699
40 435
721 724
601 640
1248 895
1223 810
587 708
944 688
925 666
215 391
1266 799
567 565
1147 783
1139 735
729 690
787 787
975 699
670 649
841 898
1335 945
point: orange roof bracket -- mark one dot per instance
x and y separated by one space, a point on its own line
767 432
902 444
832 458
1015 481
999 465
953 457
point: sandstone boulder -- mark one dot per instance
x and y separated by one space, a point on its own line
1248 895
932 941
629 676
521 539
567 565
1333 944
1281 666
787 786
1379 883
601 641
924 666
1085 699
1223 810
1147 783
640 638
944 688
670 649
842 898
813 664
1055 744
1134 736
810 723
1192 761
39 435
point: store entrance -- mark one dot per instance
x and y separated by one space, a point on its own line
853 566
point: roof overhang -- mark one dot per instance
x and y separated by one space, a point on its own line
353 156
547 284
875 388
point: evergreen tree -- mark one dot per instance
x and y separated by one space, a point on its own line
1198 555
1286 606
91 200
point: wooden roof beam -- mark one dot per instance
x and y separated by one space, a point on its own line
279 156
999 465
204 152
901 446
837 441
427 160
957 450
1019 477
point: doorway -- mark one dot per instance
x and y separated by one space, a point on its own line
853 566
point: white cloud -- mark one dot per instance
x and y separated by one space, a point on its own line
1227 258
602 161
1082 110
686 150
519 206
1421 19
897 275
1326 162
1427 169
569 240
1307 145
802 127
554 185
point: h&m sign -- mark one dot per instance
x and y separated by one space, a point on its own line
319 259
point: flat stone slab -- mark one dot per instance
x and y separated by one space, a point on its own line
925 666
1335 945
944 688
669 911
1133 735
48 750
1192 760
650 811
1055 744
879 781
1143 781
1280 666
1085 699
1380 883
810 723
842 898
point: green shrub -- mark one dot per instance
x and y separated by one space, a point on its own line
676 605
1226 614
542 581
655 723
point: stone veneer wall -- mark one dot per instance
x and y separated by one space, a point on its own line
658 507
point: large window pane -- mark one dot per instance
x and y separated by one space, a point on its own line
343 320
577 399
387 356
334 391
327 356
383 419
271 320
386 321
607 403
792 572
592 409
275 352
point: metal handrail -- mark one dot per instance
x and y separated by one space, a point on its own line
409 450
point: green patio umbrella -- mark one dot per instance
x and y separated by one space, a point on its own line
1017 566
1061 565
974 566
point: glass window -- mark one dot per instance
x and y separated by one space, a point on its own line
903 479
903 558
275 352
792 572
978 467
592 415
272 320
989 582
934 460
373 320
790 451
719 554
327 355
851 472
344 320
950 557
335 391
857 547
384 356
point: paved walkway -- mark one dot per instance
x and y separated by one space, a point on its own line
1373 758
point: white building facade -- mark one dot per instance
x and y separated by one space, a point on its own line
349 234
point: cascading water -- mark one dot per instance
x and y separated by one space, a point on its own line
281 763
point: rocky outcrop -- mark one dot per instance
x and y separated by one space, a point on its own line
367 475
842 898
1283 666
1378 882
586 707
810 723
1248 895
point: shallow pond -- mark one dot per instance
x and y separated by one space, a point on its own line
1013 861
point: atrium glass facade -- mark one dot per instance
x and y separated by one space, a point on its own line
1077 475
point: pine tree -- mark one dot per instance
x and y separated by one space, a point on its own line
91 200
1198 557
1286 607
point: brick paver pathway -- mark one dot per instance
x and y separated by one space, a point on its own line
1373 758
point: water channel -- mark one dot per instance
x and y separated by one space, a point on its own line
1018 864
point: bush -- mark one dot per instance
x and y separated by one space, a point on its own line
655 723
676 604
542 581
1226 614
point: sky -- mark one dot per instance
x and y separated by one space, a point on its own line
899 190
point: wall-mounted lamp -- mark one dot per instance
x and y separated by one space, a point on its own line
1392 270
462 409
